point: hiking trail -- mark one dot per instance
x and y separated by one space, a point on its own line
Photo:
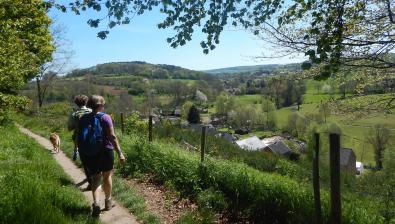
117 215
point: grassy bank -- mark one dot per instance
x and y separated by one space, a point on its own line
33 187
250 195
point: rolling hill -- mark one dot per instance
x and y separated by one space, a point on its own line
269 68
138 68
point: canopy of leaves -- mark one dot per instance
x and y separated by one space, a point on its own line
332 32
25 44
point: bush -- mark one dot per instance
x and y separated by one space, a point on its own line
133 124
193 115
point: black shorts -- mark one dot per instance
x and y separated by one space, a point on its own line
102 162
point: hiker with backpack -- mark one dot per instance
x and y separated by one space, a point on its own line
97 142
73 122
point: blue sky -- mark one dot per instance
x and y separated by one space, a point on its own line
141 40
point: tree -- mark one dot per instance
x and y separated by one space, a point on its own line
193 115
245 116
378 137
330 32
224 104
60 58
275 89
125 102
25 44
324 110
185 109
269 111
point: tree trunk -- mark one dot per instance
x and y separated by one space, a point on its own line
40 99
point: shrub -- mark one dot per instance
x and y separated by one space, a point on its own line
193 115
133 124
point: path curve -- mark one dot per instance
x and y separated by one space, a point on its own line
117 215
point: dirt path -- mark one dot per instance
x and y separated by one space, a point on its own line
117 215
160 201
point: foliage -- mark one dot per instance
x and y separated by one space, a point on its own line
185 109
225 104
193 115
379 137
133 124
221 148
33 188
285 91
252 195
297 125
25 44
245 116
269 110
329 32
139 69
211 200
380 185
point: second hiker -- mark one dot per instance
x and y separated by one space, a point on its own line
97 142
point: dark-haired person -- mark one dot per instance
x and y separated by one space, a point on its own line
98 155
74 119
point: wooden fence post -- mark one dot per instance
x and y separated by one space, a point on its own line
150 128
203 143
334 159
122 124
316 179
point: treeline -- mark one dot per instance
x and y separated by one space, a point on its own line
141 69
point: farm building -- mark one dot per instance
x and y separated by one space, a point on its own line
279 148
253 143
198 127
348 160
359 167
271 140
226 136
177 112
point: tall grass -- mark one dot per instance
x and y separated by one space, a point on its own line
253 196
33 188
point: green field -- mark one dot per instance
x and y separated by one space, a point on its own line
248 99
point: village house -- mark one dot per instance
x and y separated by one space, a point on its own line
348 160
252 144
273 145
279 148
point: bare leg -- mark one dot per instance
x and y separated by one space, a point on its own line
95 188
107 183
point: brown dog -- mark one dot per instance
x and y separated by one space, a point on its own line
55 140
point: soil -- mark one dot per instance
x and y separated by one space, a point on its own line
161 201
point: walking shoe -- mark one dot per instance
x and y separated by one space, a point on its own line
95 210
109 204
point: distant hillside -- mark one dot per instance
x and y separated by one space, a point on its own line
270 68
138 68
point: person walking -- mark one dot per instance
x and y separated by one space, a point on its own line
97 142
73 122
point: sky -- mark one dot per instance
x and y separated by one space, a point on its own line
141 40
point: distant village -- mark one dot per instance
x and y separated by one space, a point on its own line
243 139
